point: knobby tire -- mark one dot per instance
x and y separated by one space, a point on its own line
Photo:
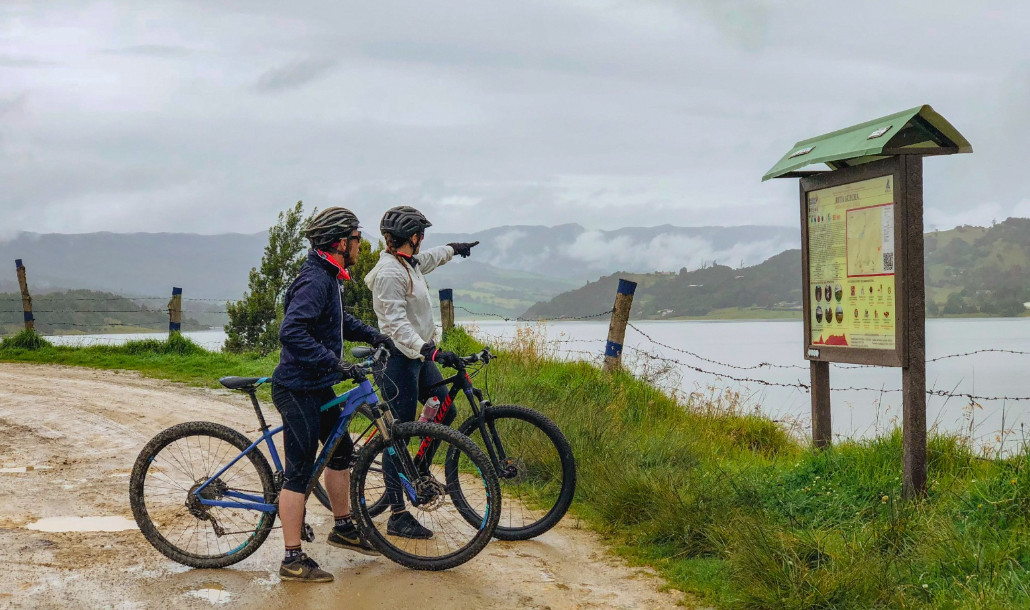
146 525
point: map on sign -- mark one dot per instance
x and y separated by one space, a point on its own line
851 265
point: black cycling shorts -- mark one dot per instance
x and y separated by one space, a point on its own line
304 426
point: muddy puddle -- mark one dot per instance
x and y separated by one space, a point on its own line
212 592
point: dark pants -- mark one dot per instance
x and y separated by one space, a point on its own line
404 385
304 425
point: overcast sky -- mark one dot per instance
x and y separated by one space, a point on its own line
211 116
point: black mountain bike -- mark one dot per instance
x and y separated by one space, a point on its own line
532 458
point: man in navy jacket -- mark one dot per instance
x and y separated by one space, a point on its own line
312 333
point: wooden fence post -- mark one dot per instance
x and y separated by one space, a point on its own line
26 298
447 309
617 329
175 311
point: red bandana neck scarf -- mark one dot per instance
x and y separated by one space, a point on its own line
342 272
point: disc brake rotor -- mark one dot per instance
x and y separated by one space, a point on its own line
431 493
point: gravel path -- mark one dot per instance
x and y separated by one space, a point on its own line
76 432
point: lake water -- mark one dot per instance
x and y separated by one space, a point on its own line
748 343
208 339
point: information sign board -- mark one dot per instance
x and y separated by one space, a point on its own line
852 265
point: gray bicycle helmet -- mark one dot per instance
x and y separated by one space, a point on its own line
403 221
330 226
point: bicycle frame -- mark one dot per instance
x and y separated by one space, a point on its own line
351 400
461 382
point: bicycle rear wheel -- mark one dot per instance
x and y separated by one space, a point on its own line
428 496
175 463
538 478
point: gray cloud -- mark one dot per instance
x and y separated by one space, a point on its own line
539 112
293 75
152 50
20 61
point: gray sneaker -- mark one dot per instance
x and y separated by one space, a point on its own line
304 569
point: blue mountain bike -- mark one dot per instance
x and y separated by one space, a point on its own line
205 496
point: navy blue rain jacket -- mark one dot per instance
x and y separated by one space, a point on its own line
314 328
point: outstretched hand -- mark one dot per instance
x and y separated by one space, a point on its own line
463 249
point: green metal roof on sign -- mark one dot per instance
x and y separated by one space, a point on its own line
918 131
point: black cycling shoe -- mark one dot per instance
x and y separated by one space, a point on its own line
350 539
405 526
303 569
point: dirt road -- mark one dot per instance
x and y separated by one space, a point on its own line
68 438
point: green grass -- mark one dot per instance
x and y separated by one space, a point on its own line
724 503
177 359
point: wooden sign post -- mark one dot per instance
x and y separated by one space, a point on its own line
862 261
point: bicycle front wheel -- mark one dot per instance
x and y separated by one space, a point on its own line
537 476
166 504
421 487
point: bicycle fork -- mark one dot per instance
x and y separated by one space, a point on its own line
406 471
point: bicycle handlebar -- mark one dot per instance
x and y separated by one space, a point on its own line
381 354
484 356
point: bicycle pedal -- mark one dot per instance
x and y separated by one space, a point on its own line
307 534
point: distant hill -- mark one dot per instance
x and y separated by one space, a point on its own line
977 270
88 312
969 271
773 285
513 268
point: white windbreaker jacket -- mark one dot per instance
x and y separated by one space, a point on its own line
400 297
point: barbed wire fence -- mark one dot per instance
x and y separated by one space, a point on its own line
685 359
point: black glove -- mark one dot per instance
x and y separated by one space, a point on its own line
381 339
463 250
439 356
354 372
448 359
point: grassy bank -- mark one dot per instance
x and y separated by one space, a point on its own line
177 359
725 504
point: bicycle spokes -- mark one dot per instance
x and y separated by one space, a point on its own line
174 500
423 489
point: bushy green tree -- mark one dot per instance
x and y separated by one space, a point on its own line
254 320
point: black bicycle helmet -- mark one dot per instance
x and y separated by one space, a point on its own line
403 221
330 226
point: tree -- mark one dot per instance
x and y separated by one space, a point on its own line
254 320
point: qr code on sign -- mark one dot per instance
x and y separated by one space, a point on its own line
888 261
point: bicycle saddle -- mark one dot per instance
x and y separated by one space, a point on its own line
240 383
361 352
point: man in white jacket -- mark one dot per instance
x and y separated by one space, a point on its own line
400 297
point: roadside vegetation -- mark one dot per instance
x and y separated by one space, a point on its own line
726 504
